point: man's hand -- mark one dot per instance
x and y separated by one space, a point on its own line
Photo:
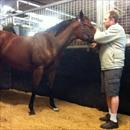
93 45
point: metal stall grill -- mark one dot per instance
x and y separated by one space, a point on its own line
67 9
63 10
123 6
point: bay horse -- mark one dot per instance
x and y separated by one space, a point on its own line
39 53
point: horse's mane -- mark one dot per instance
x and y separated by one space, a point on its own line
9 28
56 29
59 27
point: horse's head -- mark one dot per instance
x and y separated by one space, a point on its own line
85 30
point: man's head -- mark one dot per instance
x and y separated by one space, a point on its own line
110 19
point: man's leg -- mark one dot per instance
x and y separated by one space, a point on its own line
109 104
114 108
112 91
107 116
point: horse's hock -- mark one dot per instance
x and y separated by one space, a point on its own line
77 80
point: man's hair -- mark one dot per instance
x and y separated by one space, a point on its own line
114 14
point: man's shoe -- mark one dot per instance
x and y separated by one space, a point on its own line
109 125
105 118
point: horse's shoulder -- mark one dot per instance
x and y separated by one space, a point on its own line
42 37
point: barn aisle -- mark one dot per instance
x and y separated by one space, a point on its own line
14 114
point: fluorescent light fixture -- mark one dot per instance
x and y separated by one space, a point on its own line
6 8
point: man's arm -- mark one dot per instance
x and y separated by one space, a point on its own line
106 36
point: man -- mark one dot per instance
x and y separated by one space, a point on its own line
112 43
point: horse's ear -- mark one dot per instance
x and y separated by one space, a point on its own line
81 15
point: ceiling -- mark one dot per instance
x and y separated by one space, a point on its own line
43 2
23 6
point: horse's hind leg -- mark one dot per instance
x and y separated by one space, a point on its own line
52 102
37 76
51 78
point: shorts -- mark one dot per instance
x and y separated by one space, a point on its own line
110 82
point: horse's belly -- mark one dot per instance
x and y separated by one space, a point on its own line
19 64
18 60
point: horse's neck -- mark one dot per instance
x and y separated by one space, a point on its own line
66 36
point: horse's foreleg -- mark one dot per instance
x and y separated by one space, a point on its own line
51 78
31 103
37 76
52 101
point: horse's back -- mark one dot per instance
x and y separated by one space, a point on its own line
16 50
27 52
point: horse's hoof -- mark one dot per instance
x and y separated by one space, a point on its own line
55 109
31 113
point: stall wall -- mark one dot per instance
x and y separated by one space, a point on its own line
77 80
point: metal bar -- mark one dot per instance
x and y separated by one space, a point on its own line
26 2
57 12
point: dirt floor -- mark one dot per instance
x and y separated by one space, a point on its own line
14 114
